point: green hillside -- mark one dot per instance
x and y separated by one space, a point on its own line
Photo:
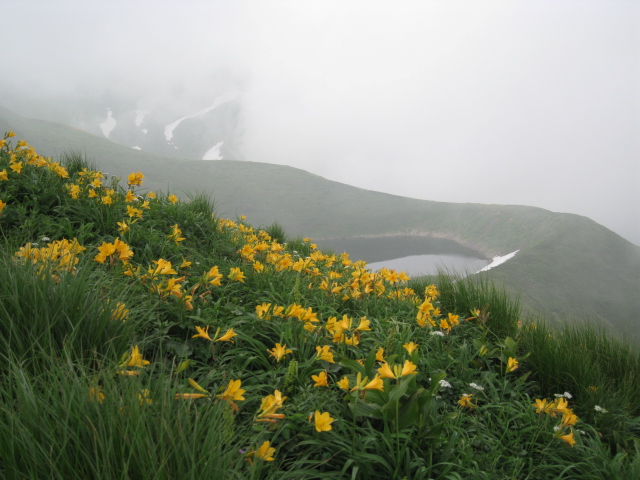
145 336
568 267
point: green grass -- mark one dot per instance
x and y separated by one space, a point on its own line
101 358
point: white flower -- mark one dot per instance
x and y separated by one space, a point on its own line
566 395
476 386
444 384
598 408
556 428
438 332
45 239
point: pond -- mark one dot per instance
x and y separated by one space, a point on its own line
416 255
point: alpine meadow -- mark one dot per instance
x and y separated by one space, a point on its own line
144 334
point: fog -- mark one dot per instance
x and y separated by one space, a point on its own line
525 102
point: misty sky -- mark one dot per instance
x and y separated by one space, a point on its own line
527 102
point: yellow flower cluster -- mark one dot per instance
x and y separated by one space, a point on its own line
427 313
337 277
559 407
59 255
118 250
335 274
343 331
21 156
120 312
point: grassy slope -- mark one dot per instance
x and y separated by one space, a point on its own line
568 266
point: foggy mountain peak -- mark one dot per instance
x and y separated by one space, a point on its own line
527 103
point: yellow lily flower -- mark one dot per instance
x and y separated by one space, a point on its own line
569 438
232 393
202 333
262 311
123 227
364 324
229 334
265 453
104 251
135 359
237 275
409 368
320 379
324 353
540 405
343 383
385 371
569 419
135 178
279 351
410 347
465 401
323 421
375 384
215 277
268 407
196 385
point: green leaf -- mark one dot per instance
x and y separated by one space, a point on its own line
352 365
363 409
400 389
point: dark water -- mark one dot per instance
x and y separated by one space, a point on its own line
412 254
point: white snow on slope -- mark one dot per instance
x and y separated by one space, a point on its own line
214 152
136 148
140 114
109 124
168 129
498 261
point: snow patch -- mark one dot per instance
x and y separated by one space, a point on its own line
168 129
214 152
140 114
136 148
498 261
109 124
144 130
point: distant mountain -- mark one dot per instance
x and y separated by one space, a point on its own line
568 267
207 129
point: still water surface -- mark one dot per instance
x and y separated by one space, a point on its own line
415 255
